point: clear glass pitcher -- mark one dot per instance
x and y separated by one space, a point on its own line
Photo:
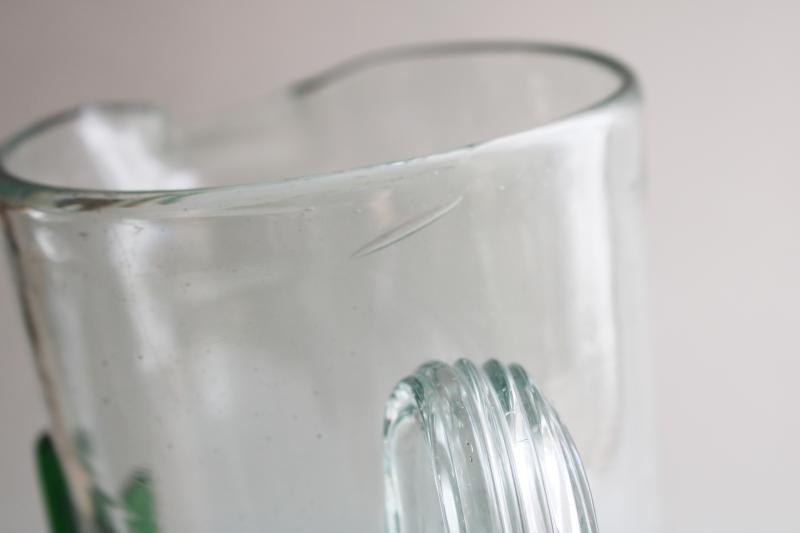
335 309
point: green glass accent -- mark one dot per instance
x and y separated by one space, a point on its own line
139 502
137 498
53 486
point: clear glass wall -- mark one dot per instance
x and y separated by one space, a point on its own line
220 311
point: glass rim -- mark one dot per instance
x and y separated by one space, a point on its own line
17 191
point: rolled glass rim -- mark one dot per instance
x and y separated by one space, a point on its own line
17 191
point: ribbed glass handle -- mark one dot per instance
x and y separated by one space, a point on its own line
476 450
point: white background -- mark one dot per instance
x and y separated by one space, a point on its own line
722 86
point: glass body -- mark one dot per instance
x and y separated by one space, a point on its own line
220 311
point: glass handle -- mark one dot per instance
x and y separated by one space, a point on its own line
471 449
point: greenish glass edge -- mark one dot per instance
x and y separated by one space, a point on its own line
17 192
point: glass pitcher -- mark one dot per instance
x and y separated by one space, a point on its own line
342 308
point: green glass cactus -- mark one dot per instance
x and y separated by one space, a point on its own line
53 486
137 501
